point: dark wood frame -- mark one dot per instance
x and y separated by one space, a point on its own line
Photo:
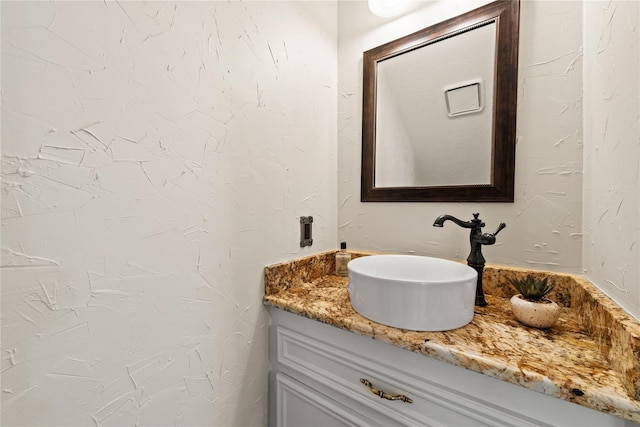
506 15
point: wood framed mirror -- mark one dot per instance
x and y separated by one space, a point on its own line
439 111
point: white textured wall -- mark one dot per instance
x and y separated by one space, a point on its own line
612 149
155 156
544 224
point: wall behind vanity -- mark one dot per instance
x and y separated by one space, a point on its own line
545 224
155 157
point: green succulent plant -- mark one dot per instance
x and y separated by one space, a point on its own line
531 288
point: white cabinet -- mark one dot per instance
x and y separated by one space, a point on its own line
316 373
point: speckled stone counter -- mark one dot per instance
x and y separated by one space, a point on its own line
591 356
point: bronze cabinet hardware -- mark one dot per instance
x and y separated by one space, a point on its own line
383 394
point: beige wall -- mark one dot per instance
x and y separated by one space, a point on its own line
611 200
544 225
155 157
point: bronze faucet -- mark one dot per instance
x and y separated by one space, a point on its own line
477 239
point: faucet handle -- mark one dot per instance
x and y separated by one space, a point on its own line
490 238
500 227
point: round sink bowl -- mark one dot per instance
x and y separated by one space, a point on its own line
413 292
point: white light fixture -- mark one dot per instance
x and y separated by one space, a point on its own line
388 8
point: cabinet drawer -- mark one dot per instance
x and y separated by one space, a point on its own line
299 405
336 366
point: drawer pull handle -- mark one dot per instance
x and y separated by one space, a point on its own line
383 394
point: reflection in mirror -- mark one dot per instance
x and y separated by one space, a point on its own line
444 90
439 110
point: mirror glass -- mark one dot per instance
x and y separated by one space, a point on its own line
445 89
439 111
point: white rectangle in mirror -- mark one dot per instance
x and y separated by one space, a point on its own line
464 99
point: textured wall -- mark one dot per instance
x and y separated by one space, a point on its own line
544 224
612 149
155 156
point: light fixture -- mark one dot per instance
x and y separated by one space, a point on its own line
388 8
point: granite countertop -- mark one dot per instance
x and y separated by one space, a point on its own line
591 356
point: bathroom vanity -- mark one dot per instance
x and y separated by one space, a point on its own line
316 373
327 370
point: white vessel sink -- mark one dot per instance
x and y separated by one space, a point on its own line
413 292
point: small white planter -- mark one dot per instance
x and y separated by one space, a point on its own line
540 314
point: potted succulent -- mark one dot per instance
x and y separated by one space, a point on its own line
530 306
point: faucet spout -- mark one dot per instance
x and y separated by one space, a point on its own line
439 222
476 239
